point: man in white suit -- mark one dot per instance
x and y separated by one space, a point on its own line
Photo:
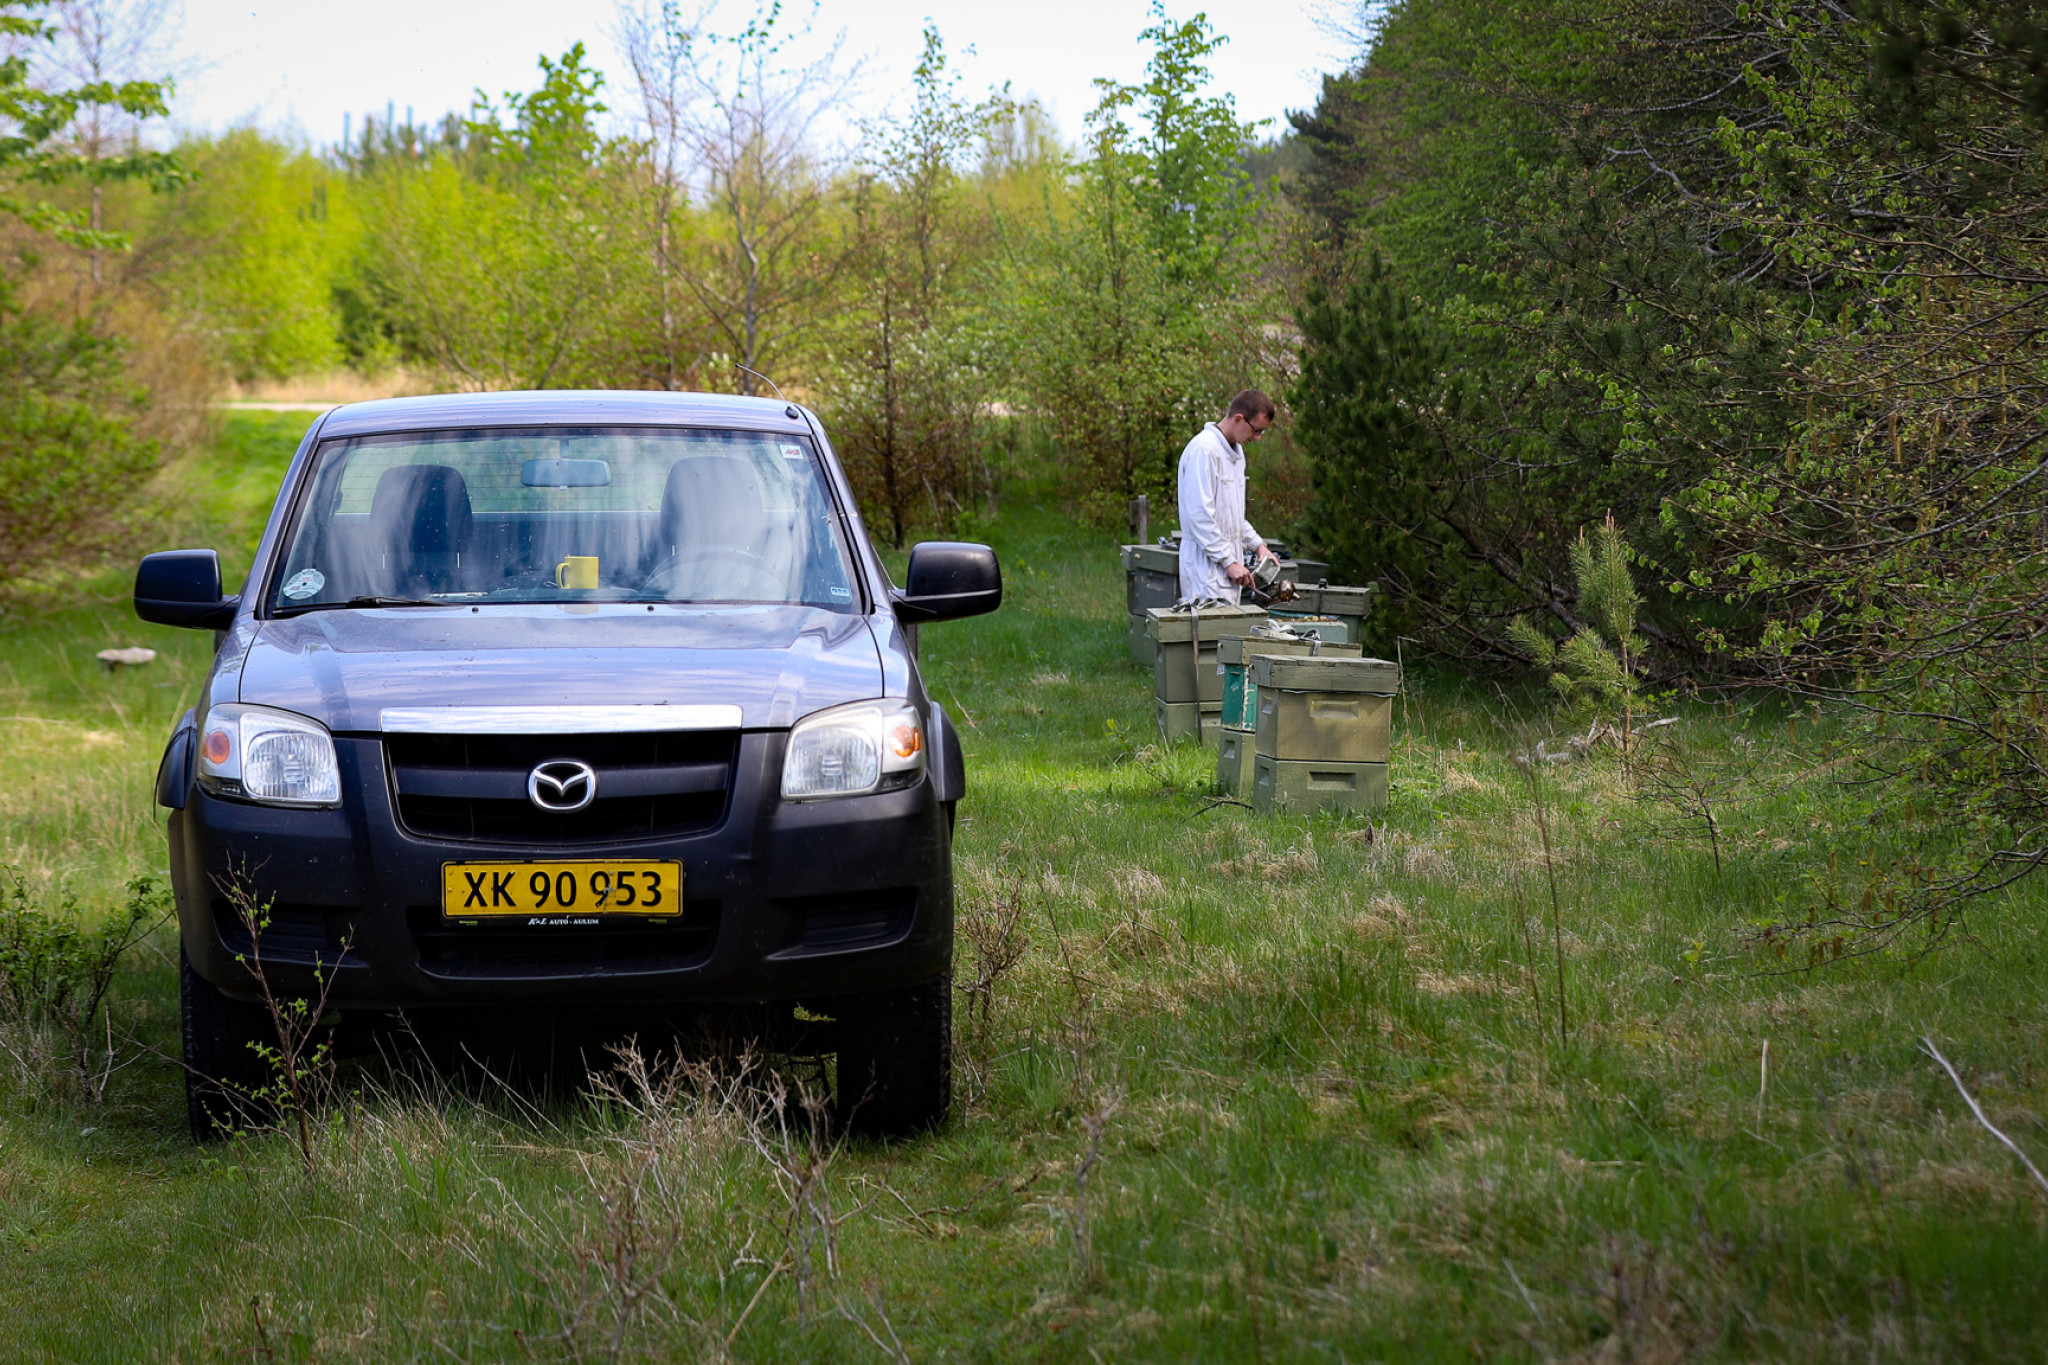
1215 539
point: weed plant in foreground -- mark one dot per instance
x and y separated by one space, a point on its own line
1232 1088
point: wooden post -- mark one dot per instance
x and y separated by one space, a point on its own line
1141 520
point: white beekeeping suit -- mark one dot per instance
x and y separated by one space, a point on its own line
1213 532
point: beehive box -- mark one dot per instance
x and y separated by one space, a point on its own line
1240 693
1331 630
1325 709
1184 669
1179 720
1305 573
1302 787
1141 642
1332 600
1317 608
1233 760
1151 578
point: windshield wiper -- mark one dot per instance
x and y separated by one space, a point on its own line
374 601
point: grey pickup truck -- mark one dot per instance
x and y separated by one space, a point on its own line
569 702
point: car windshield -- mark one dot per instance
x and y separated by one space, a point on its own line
562 514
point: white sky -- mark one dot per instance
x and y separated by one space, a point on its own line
292 65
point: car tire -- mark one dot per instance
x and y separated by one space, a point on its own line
896 1061
223 1073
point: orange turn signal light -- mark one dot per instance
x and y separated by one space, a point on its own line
905 740
217 747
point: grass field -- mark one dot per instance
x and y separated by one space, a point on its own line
1253 1089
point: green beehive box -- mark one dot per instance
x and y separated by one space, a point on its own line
1327 672
1155 558
1240 693
1325 709
1233 760
1179 720
1306 786
1334 630
1184 669
1141 642
1151 578
1349 727
1337 613
1332 600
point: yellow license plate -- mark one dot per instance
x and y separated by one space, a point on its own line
560 893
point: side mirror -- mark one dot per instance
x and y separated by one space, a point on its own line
182 588
949 579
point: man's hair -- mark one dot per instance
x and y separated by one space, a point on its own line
1249 404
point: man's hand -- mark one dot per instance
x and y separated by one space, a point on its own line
1265 553
1239 574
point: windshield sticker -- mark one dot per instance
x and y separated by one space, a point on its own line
303 584
792 452
846 593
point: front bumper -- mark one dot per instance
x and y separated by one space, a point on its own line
782 901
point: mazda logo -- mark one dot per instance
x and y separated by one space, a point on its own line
562 786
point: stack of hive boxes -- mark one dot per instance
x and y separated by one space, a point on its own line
1187 681
1324 734
1152 579
1240 716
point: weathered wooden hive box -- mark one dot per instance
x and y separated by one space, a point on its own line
1151 579
1240 716
1187 684
1334 612
1325 732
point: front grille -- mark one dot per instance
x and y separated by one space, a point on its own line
472 788
496 950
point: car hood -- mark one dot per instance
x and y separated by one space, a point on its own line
776 664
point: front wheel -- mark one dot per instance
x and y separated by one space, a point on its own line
223 1071
896 1060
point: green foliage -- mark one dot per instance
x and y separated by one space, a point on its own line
912 374
1534 173
56 966
70 454
495 256
254 247
1374 389
35 149
1136 308
1595 669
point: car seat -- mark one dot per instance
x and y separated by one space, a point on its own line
720 540
420 522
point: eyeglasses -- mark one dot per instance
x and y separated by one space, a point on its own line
1257 432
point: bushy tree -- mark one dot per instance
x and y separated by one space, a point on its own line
733 122
71 454
1136 310
910 379
250 251
502 255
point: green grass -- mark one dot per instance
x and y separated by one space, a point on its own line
1337 1119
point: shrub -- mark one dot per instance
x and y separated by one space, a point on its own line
56 970
71 456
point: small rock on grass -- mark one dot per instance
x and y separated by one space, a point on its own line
133 657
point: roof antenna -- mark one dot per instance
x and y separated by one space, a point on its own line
762 377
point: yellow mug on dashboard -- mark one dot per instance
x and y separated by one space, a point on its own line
577 571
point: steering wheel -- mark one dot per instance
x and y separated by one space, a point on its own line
739 574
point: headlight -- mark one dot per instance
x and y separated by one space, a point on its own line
868 746
270 756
